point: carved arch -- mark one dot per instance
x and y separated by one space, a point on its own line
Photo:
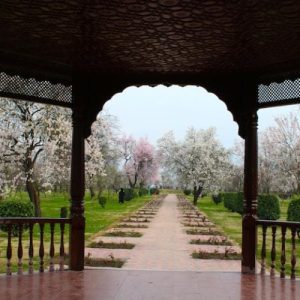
228 91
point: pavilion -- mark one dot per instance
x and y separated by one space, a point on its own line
78 54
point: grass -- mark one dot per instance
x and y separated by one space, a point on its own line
111 245
97 219
231 224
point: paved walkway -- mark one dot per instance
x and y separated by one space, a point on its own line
165 246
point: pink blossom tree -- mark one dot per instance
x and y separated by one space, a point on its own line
140 161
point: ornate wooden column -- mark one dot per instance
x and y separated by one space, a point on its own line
249 238
77 227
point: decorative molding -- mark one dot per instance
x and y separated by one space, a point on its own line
33 90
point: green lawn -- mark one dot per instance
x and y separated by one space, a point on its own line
97 219
231 224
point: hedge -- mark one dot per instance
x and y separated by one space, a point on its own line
232 201
268 207
187 192
15 208
293 213
143 192
129 194
217 198
154 191
64 212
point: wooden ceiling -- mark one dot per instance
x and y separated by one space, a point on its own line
182 37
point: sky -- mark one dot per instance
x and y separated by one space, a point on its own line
152 111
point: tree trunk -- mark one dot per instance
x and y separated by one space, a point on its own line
34 197
92 192
196 193
195 196
132 183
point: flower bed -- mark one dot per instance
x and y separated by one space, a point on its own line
123 233
223 241
103 262
111 245
210 231
228 254
131 226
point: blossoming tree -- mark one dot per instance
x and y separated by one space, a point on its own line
199 161
26 129
140 161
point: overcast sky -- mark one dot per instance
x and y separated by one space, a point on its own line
151 112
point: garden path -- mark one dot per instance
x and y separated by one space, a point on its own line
165 246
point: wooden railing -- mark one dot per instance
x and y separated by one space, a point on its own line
15 227
293 227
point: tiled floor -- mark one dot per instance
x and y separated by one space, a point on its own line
146 285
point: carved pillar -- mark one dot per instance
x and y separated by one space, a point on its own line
77 226
249 238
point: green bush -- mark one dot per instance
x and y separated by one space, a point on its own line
187 192
129 194
154 191
239 203
268 207
233 201
217 198
102 201
64 212
293 213
15 209
143 192
228 200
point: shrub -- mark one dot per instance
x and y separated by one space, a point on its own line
15 209
233 201
154 191
239 203
129 194
143 192
228 199
64 212
293 213
187 192
102 201
268 207
217 198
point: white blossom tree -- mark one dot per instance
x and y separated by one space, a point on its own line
35 141
94 162
26 129
279 155
102 154
53 168
199 160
